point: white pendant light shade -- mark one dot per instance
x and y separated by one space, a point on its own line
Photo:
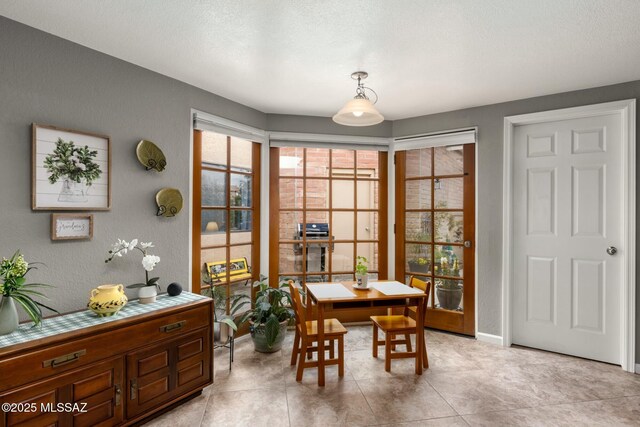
358 112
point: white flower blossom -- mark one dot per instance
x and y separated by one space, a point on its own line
146 245
150 261
133 244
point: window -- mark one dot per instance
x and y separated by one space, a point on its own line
226 213
330 207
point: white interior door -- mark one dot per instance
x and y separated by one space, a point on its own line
567 210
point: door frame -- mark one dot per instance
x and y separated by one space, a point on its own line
626 109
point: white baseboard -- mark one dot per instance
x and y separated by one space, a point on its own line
492 339
637 368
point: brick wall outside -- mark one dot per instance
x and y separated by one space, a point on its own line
291 191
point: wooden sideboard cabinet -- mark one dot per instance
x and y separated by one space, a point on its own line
117 373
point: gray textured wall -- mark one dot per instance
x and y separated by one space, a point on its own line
490 122
45 79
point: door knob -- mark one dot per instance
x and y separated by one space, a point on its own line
611 250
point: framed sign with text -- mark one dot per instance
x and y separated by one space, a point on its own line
71 226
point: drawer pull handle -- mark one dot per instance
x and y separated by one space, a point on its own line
63 360
173 327
118 394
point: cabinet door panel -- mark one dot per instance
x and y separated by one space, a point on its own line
162 372
193 366
93 389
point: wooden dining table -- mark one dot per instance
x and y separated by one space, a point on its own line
323 295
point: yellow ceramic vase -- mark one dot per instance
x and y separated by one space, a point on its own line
107 300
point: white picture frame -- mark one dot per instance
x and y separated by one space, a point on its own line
71 170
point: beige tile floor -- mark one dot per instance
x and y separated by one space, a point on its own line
468 383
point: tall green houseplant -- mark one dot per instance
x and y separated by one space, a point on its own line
269 316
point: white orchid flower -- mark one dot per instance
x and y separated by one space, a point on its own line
133 244
150 261
148 245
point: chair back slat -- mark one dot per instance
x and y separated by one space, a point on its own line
414 282
299 311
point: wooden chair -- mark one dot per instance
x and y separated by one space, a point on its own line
400 324
307 335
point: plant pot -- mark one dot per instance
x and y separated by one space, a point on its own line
147 294
73 192
448 298
362 281
260 340
8 316
221 332
416 267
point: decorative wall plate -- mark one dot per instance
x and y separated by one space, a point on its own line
169 201
151 156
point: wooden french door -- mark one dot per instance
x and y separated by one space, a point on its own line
435 230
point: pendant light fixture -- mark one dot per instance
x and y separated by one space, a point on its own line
360 110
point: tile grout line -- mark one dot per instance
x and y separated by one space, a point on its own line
206 405
439 394
365 398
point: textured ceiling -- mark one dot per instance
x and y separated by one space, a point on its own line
295 57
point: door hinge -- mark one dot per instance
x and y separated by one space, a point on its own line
395 156
394 229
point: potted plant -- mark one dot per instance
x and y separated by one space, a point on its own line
269 316
449 291
419 265
148 290
222 322
14 288
76 168
419 261
362 278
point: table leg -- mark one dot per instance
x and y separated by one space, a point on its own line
309 315
420 335
321 345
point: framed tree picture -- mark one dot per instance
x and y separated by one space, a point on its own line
71 170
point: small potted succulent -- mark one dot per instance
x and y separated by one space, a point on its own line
148 290
362 277
13 288
449 291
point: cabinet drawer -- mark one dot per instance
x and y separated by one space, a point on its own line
34 365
